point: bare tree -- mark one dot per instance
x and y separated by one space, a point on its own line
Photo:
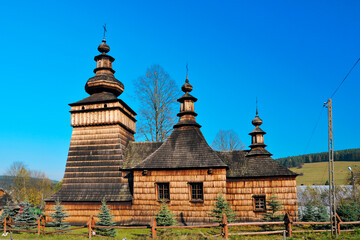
157 94
15 168
227 140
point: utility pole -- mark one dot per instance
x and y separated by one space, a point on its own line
334 230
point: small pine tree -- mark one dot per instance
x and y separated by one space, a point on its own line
7 211
165 217
321 214
222 207
58 215
273 206
25 215
349 211
105 218
309 214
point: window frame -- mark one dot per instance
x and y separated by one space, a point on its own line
199 195
257 198
160 191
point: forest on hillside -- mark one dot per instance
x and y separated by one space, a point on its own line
342 155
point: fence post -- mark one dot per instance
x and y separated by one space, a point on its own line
338 223
38 225
153 229
10 224
5 225
89 227
43 226
287 222
225 231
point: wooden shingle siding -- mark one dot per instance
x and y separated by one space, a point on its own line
93 169
240 194
145 198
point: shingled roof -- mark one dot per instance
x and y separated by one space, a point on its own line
243 166
136 152
184 148
97 97
5 198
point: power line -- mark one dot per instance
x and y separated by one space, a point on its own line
314 129
345 78
317 122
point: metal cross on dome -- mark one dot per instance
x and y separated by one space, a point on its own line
104 26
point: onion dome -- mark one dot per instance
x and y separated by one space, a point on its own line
186 88
104 80
103 47
257 121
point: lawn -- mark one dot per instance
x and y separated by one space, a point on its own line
318 173
184 234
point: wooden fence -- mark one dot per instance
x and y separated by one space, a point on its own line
8 225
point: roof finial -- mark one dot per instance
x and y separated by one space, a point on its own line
187 73
256 107
104 26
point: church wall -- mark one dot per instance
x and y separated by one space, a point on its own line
241 193
146 204
81 211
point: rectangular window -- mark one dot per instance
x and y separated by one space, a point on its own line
259 203
163 191
196 190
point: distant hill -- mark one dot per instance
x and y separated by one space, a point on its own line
6 181
350 155
318 173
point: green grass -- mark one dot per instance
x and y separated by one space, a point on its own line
317 173
184 234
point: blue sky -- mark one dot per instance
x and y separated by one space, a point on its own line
290 54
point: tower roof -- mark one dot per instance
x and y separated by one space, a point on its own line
186 147
187 112
257 138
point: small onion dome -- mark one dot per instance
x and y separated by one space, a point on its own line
257 121
103 48
187 86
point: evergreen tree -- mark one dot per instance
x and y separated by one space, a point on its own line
349 211
7 210
315 213
321 214
25 215
105 218
309 214
222 207
58 215
273 206
165 217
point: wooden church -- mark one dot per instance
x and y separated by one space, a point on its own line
104 162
